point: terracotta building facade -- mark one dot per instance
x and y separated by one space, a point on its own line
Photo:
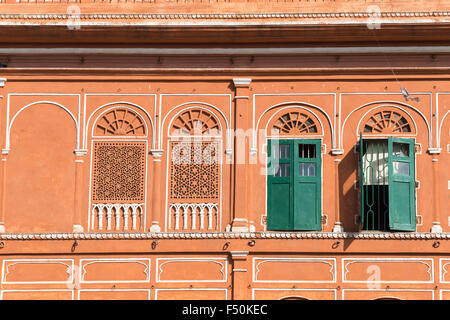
224 150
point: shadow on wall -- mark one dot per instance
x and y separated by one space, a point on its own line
40 171
349 202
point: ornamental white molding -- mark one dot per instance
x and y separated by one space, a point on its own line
226 235
120 213
242 82
80 152
246 16
2 82
434 150
206 214
157 153
336 152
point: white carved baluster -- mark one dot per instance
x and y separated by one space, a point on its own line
125 216
177 216
217 216
141 217
170 216
134 208
194 216
108 215
185 215
202 215
210 215
100 215
117 215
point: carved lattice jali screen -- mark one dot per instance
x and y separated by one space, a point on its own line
194 185
118 185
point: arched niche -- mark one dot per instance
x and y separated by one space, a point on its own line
40 170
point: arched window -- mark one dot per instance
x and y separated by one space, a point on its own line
294 171
195 156
119 156
387 171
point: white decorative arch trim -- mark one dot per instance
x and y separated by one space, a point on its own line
381 106
197 104
193 107
390 104
296 104
441 124
8 130
120 103
112 108
296 107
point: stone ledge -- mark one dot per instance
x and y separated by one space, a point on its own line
226 235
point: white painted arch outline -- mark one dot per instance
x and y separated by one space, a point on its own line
125 137
7 145
200 105
390 104
120 104
300 105
185 136
440 128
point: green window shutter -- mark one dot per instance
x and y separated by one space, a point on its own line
402 212
307 185
280 201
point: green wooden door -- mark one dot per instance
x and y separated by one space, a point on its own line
401 184
294 185
307 187
280 202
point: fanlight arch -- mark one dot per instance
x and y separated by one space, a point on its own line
387 121
120 121
293 122
195 122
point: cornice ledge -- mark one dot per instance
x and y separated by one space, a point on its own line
226 235
336 152
434 150
199 16
242 82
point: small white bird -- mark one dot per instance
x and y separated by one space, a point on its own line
407 96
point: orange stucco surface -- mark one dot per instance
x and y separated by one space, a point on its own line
87 213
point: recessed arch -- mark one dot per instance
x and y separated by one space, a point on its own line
206 177
131 106
389 103
7 144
